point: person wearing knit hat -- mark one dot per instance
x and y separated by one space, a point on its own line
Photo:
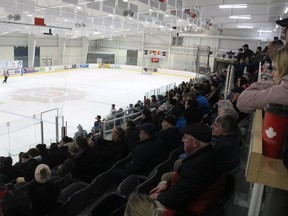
199 181
43 192
199 132
42 174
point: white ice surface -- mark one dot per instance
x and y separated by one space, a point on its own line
80 94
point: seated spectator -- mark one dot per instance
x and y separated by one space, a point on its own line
145 156
228 111
170 135
10 173
65 140
30 161
110 151
87 164
68 164
55 156
226 141
202 100
213 96
132 135
259 94
16 202
43 151
142 205
146 116
43 193
81 132
154 101
192 113
191 190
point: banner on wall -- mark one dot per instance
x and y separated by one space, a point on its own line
10 65
104 65
84 65
115 66
30 70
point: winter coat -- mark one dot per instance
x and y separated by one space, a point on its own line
43 197
197 184
147 154
227 150
259 94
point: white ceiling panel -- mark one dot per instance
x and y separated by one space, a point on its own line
151 15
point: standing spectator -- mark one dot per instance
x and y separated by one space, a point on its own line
97 124
113 110
260 94
258 55
247 52
284 24
6 75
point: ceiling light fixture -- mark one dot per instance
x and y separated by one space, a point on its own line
264 31
233 6
245 27
240 17
286 10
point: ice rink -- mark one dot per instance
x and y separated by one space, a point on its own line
79 94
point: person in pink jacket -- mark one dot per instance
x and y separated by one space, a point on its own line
259 94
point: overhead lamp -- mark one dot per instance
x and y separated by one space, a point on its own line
245 27
226 6
240 17
264 31
286 10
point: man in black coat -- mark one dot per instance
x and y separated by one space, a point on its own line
148 153
170 135
200 179
145 156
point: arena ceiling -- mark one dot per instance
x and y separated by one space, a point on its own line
96 19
